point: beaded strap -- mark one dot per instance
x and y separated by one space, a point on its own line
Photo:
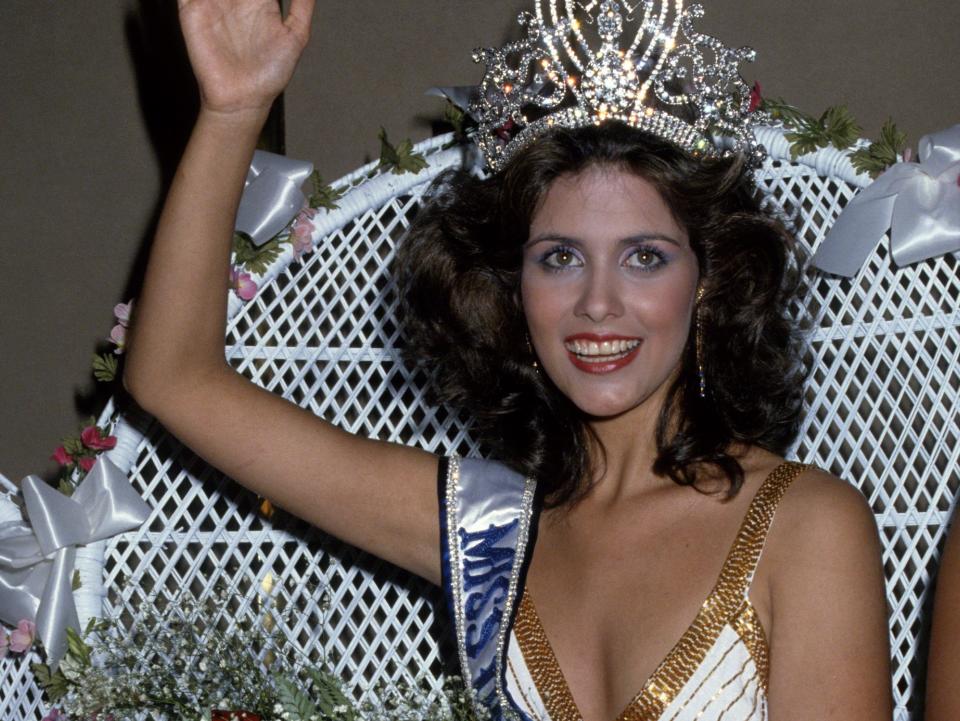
727 605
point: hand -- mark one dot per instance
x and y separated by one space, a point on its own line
242 51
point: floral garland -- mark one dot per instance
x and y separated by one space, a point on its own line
249 260
79 678
835 127
176 662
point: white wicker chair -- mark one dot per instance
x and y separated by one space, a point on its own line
321 332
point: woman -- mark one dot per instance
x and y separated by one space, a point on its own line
602 256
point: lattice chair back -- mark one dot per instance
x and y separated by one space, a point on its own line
322 332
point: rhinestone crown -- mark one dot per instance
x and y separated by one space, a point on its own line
685 90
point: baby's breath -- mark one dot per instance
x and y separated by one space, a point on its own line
185 659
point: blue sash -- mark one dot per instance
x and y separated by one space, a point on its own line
486 512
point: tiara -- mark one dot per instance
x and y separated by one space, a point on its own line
686 90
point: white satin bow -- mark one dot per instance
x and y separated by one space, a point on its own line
37 557
271 196
918 203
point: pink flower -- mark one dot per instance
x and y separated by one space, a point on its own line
55 714
243 284
756 98
122 312
4 643
21 638
86 463
118 336
93 438
61 456
302 236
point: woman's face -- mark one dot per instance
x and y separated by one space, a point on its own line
609 286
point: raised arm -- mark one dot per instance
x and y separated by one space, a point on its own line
375 495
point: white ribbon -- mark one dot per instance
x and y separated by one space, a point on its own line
271 196
37 557
918 203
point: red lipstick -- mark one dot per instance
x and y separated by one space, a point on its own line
602 364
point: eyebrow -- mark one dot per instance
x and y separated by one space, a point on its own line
576 242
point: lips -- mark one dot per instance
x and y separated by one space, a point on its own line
600 354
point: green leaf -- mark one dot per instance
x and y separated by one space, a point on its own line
399 159
65 487
55 684
807 134
324 196
294 701
329 693
105 367
253 259
71 669
73 445
456 117
75 584
790 115
840 128
881 154
77 648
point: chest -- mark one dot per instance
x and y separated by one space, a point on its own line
614 598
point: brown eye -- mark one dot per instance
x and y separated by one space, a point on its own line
560 258
645 259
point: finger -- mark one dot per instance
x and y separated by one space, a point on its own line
300 15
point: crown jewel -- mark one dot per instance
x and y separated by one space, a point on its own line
669 80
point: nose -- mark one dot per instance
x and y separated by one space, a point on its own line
600 296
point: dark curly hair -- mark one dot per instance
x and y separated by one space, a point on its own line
458 270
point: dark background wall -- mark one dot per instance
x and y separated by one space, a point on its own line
95 101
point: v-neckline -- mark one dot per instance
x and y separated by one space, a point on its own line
728 600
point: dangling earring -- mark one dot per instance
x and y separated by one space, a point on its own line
699 344
533 363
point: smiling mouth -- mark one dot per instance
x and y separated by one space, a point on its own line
601 351
602 356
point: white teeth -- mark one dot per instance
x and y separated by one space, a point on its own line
604 349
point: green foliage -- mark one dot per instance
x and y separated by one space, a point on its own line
66 488
296 705
105 367
75 583
329 694
175 663
77 649
881 154
54 684
835 127
324 196
74 446
456 117
399 159
253 259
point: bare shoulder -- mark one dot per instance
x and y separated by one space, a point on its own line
823 577
821 514
817 510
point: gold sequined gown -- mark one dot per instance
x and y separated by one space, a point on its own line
717 671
